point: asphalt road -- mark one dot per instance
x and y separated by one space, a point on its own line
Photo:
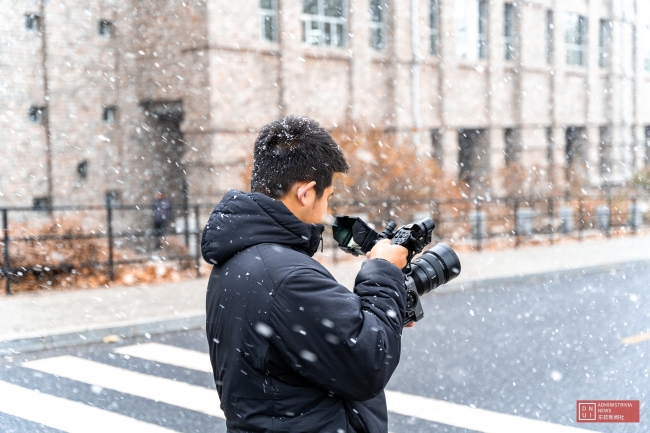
528 350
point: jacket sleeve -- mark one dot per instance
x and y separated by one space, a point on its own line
347 343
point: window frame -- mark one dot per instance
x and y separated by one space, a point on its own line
434 27
471 27
33 22
105 29
109 115
265 14
483 29
308 19
36 114
604 43
377 27
509 33
576 50
550 34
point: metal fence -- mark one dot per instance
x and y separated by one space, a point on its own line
123 235
120 234
481 222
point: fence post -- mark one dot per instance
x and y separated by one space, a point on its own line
633 216
550 220
198 241
109 222
479 235
186 214
5 270
609 215
516 209
581 215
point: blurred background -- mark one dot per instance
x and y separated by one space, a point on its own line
111 100
506 121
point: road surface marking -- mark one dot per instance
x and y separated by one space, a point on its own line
400 403
181 394
164 353
458 415
66 415
636 338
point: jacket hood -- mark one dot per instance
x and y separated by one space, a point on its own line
242 220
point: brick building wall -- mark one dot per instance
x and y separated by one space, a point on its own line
193 81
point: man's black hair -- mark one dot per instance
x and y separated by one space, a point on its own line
294 149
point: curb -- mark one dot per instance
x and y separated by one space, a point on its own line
22 345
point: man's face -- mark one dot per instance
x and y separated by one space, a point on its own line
316 210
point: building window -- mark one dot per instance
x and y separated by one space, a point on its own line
113 198
513 147
437 145
377 23
37 114
576 39
647 146
474 156
434 27
82 169
509 17
105 29
605 152
604 43
33 22
550 31
471 29
109 114
268 16
576 145
550 146
324 22
41 203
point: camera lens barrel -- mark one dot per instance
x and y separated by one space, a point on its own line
437 266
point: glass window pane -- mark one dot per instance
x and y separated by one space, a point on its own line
310 7
269 28
327 34
340 36
376 11
333 8
315 33
266 4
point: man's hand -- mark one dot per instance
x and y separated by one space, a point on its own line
385 249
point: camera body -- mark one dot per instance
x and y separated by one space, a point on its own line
435 267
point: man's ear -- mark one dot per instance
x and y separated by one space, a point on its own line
303 190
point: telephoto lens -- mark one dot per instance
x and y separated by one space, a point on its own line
435 267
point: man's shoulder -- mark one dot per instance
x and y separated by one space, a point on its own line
284 259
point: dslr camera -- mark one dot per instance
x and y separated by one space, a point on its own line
435 267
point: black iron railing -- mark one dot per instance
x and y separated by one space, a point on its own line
473 222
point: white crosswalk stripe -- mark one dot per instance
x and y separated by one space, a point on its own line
400 403
66 415
181 394
71 416
166 354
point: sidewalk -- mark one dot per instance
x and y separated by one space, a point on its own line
34 321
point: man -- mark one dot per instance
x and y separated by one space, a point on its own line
162 215
291 349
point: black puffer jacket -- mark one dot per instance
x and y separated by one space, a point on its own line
291 349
